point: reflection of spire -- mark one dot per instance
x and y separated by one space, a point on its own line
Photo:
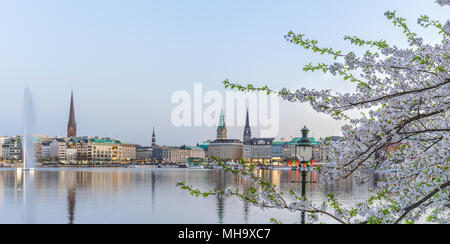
246 204
246 211
153 189
220 182
71 200
220 209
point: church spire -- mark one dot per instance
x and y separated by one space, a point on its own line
72 126
247 131
153 137
222 129
247 121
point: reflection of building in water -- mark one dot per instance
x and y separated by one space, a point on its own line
220 184
153 188
71 200
243 184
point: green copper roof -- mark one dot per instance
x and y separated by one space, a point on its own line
222 120
194 147
279 142
297 140
204 145
106 141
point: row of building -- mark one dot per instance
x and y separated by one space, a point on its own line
86 150
92 150
266 151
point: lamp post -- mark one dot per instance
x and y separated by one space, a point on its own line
304 168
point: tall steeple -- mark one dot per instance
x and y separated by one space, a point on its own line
222 129
153 138
247 131
72 126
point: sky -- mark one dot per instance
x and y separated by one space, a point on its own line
124 59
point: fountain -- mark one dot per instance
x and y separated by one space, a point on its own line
28 156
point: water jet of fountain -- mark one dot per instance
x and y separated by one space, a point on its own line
28 155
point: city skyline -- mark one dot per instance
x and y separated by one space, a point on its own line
124 66
71 130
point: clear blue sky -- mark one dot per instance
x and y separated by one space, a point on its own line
124 59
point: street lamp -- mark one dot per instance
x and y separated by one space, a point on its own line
304 169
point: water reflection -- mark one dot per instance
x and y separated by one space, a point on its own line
220 184
71 199
130 196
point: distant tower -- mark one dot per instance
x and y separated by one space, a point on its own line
153 138
72 126
247 131
222 129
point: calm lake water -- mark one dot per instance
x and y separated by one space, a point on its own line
148 196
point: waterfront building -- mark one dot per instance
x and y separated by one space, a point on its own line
157 153
196 152
276 152
261 150
106 150
175 155
58 149
84 149
45 149
71 151
72 125
226 150
247 151
37 145
2 141
223 148
12 148
98 149
144 154
180 155
128 152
